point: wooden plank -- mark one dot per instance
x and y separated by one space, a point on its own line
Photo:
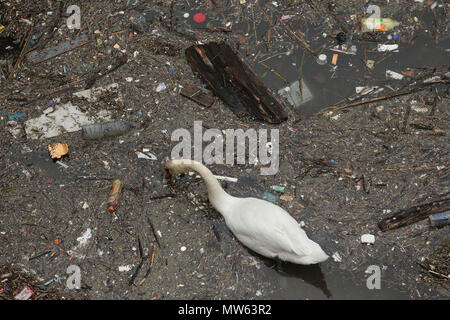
234 82
49 53
198 94
414 214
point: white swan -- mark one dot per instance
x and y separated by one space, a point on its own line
260 225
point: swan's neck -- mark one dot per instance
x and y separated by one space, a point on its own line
219 199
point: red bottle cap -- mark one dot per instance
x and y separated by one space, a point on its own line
199 17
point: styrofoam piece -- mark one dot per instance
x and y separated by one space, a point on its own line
65 118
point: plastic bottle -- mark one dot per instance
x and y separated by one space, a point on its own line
440 219
113 200
107 129
379 25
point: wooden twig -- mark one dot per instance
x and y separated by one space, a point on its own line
414 214
141 254
427 269
105 70
19 58
386 97
154 248
131 282
433 108
39 255
276 73
413 168
405 119
153 231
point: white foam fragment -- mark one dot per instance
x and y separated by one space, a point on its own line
226 178
387 47
85 237
337 257
161 87
368 238
92 95
124 268
65 118
393 75
147 155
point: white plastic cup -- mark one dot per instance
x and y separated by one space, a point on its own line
322 59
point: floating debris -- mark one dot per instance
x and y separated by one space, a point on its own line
368 238
57 150
49 53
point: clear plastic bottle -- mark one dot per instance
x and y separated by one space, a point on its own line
378 25
107 129
440 219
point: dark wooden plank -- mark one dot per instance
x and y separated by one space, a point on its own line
49 53
234 82
414 214
198 94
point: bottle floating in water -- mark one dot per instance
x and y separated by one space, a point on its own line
107 129
440 219
113 200
378 25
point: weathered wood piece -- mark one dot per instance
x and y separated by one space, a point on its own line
198 94
414 214
234 82
49 53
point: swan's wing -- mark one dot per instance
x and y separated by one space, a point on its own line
262 225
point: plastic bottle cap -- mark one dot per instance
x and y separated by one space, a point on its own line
199 17
111 209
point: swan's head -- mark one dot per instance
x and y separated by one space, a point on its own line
317 255
177 167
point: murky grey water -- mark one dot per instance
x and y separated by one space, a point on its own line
327 282
329 84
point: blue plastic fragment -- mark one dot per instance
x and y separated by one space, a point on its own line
16 115
269 197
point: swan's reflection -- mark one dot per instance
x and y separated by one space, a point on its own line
311 274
